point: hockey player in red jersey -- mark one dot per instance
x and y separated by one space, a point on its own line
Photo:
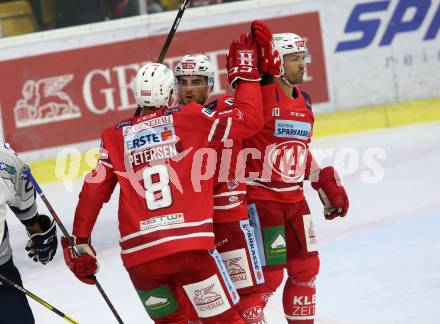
278 210
234 237
165 203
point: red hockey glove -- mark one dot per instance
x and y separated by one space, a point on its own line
241 61
269 61
331 192
84 266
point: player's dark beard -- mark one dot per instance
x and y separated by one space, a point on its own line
297 79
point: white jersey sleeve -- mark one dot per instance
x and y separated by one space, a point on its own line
17 191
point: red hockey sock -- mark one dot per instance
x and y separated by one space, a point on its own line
299 296
299 299
254 299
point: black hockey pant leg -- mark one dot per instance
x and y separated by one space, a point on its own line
14 304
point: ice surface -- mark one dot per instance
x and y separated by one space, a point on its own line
380 264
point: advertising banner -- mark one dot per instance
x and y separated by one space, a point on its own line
66 87
70 96
381 51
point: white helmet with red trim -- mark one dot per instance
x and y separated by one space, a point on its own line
154 86
196 65
290 43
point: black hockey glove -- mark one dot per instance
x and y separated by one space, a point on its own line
42 246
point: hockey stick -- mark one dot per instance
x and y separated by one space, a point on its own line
37 299
27 171
173 30
168 40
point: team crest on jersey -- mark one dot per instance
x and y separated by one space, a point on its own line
288 159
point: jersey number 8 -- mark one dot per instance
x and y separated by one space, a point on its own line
156 185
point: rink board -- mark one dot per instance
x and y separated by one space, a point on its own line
335 123
61 88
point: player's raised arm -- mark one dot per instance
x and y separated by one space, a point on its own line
245 118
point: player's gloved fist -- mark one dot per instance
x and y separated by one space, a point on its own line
331 192
269 61
85 265
241 61
42 246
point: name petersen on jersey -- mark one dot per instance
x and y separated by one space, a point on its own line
151 140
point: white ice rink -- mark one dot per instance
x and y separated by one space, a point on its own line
380 264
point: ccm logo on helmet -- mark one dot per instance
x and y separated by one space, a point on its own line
407 16
188 65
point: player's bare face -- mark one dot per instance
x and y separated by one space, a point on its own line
193 88
294 67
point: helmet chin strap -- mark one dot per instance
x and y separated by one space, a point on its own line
283 77
208 94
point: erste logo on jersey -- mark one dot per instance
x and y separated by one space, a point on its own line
289 160
149 137
150 140
292 129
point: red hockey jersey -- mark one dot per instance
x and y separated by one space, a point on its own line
229 181
283 145
158 159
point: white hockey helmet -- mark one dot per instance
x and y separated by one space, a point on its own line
154 86
290 43
196 65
